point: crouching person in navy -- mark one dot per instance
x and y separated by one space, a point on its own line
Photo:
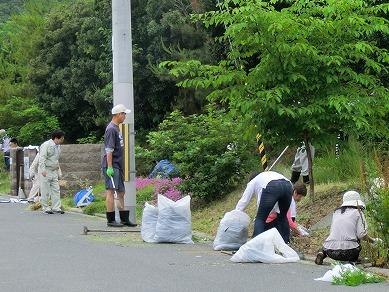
113 167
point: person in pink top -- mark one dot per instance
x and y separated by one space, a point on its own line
272 219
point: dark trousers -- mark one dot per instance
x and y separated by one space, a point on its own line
344 255
276 191
7 162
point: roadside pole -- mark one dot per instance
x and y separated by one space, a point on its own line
123 92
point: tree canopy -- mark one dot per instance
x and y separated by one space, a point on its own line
310 68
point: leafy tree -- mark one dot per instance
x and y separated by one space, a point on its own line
301 72
73 66
25 120
18 43
161 30
19 35
73 71
9 7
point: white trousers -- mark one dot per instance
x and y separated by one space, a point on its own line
35 188
50 189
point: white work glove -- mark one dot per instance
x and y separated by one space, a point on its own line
302 230
377 241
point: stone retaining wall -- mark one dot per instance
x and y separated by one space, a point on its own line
80 165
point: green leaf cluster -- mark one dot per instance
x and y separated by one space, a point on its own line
356 277
378 207
207 148
308 68
27 121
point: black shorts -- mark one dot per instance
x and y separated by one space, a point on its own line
118 178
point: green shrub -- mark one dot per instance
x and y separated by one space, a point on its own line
378 207
144 194
207 148
96 207
92 138
356 277
25 120
144 160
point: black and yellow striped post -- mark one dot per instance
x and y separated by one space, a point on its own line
261 150
125 131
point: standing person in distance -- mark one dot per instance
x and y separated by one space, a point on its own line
300 164
5 147
113 167
50 172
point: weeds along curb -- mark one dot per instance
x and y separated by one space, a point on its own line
380 271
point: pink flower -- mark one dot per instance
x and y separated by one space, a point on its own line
166 187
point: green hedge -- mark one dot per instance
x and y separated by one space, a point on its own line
208 149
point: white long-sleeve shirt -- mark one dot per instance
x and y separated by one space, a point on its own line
256 186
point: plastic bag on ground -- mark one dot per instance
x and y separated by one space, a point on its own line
232 232
149 222
84 197
174 221
267 247
303 231
336 272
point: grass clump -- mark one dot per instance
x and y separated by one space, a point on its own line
96 207
356 277
5 185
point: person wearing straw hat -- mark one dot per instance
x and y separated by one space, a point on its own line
348 228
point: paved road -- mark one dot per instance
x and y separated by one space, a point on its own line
48 253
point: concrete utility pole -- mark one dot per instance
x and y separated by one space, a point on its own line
123 92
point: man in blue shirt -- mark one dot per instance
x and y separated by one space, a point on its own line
113 167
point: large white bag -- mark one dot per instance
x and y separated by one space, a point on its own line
267 247
233 231
149 222
174 221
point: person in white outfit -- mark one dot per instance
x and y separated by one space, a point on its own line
49 173
5 147
300 164
33 196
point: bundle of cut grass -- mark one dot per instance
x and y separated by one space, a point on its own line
355 277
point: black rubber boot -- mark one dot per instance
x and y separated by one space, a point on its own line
306 179
295 176
125 218
111 220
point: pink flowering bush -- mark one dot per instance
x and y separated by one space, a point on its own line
165 187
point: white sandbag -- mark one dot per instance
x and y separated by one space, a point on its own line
149 222
232 232
174 221
267 247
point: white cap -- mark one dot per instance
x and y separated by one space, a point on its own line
353 199
120 108
2 131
